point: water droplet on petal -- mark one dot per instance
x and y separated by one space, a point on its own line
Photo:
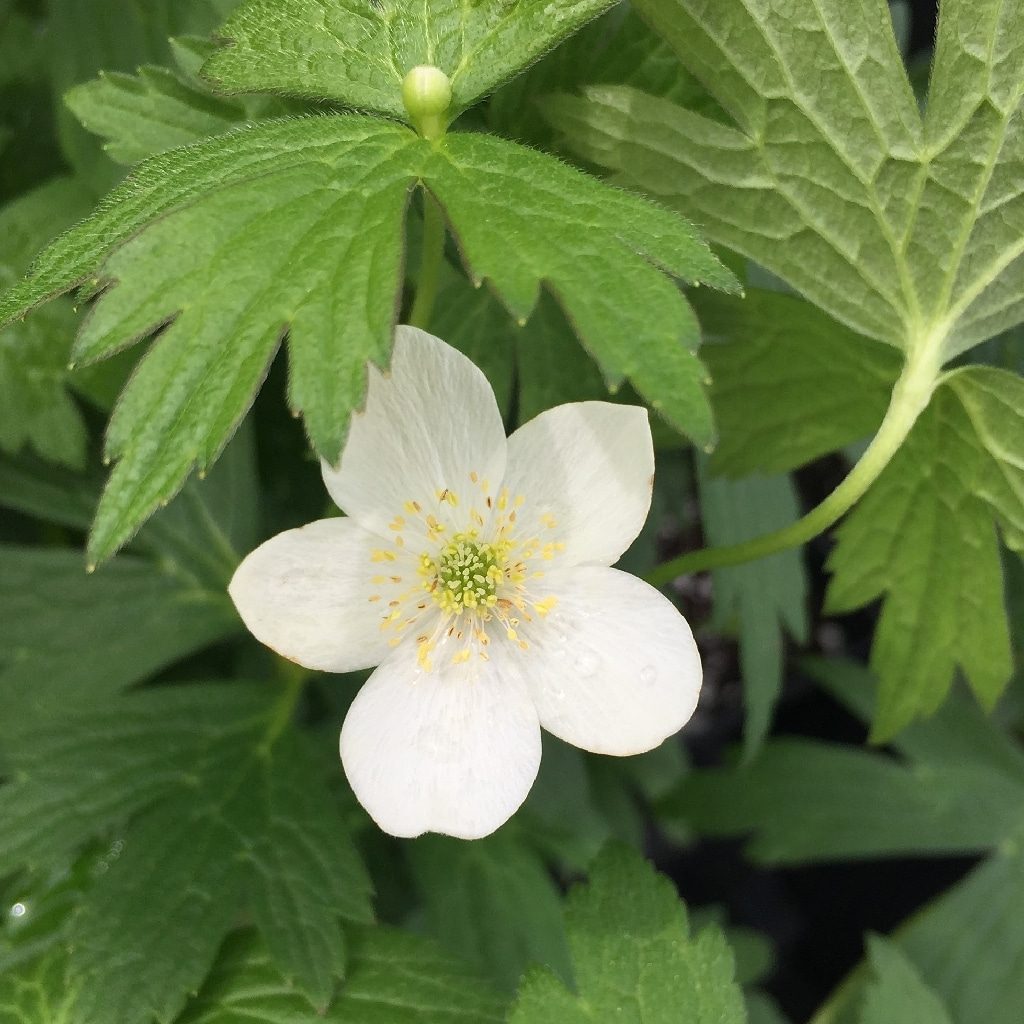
648 675
588 663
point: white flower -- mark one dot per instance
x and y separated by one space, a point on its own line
473 570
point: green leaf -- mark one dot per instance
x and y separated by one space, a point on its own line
809 801
86 37
393 978
906 229
924 537
493 902
766 596
634 958
357 52
552 368
968 944
617 47
896 992
958 733
19 45
38 993
146 114
762 1010
474 322
224 811
789 383
561 812
35 407
71 640
290 200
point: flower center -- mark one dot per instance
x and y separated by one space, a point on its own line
482 588
465 573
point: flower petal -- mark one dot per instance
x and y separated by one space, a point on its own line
426 426
590 466
613 668
306 594
454 750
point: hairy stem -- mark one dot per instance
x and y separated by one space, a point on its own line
431 257
910 396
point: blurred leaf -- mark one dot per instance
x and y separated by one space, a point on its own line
35 408
561 812
493 902
335 179
968 944
924 537
552 367
896 992
959 789
226 810
90 36
809 801
766 596
958 733
70 640
473 320
634 958
357 52
392 978
762 1010
789 383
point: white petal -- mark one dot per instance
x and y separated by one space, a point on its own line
454 750
306 594
426 426
590 465
614 667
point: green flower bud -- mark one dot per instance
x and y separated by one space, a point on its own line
427 94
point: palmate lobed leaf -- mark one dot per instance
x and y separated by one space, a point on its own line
904 227
148 113
297 227
634 958
357 52
958 474
907 229
216 809
789 383
493 902
159 108
392 978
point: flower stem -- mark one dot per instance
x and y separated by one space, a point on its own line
431 257
910 396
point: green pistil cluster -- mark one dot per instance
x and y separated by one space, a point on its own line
465 574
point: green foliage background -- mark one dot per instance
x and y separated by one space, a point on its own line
752 216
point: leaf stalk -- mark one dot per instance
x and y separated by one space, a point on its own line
910 397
